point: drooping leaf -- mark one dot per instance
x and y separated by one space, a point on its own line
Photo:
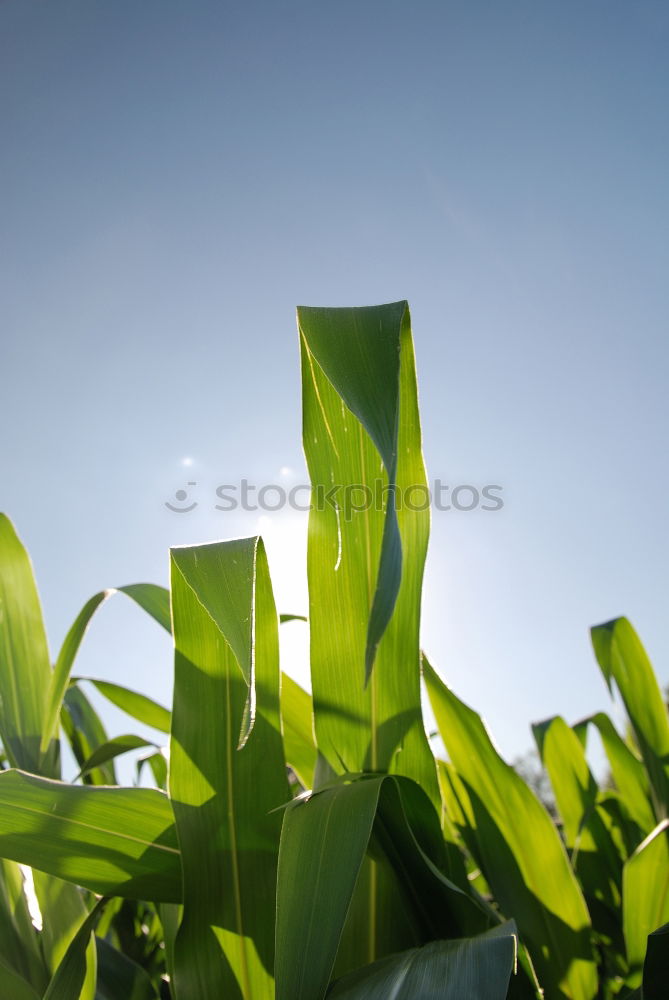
623 659
464 969
115 841
227 768
151 598
158 765
25 669
362 442
138 706
519 851
112 749
645 896
60 676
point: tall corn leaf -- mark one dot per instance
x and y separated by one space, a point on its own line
623 659
227 770
116 841
362 442
645 895
520 851
464 969
323 843
25 670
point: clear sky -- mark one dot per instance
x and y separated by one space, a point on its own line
177 176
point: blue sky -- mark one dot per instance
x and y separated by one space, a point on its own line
177 177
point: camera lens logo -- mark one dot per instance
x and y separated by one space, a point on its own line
182 496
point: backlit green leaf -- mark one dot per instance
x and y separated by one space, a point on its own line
227 769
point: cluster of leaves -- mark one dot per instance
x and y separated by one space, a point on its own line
302 846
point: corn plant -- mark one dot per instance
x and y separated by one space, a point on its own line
303 846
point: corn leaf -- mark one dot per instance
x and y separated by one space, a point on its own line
656 965
594 856
645 896
115 841
623 659
297 720
519 851
365 559
20 953
63 909
25 669
138 706
151 598
323 843
14 986
227 768
112 749
119 978
69 981
85 733
628 772
464 969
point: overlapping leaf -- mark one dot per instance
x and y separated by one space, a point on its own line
323 843
227 768
115 841
465 969
519 851
623 659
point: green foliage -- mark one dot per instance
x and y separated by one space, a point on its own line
304 847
